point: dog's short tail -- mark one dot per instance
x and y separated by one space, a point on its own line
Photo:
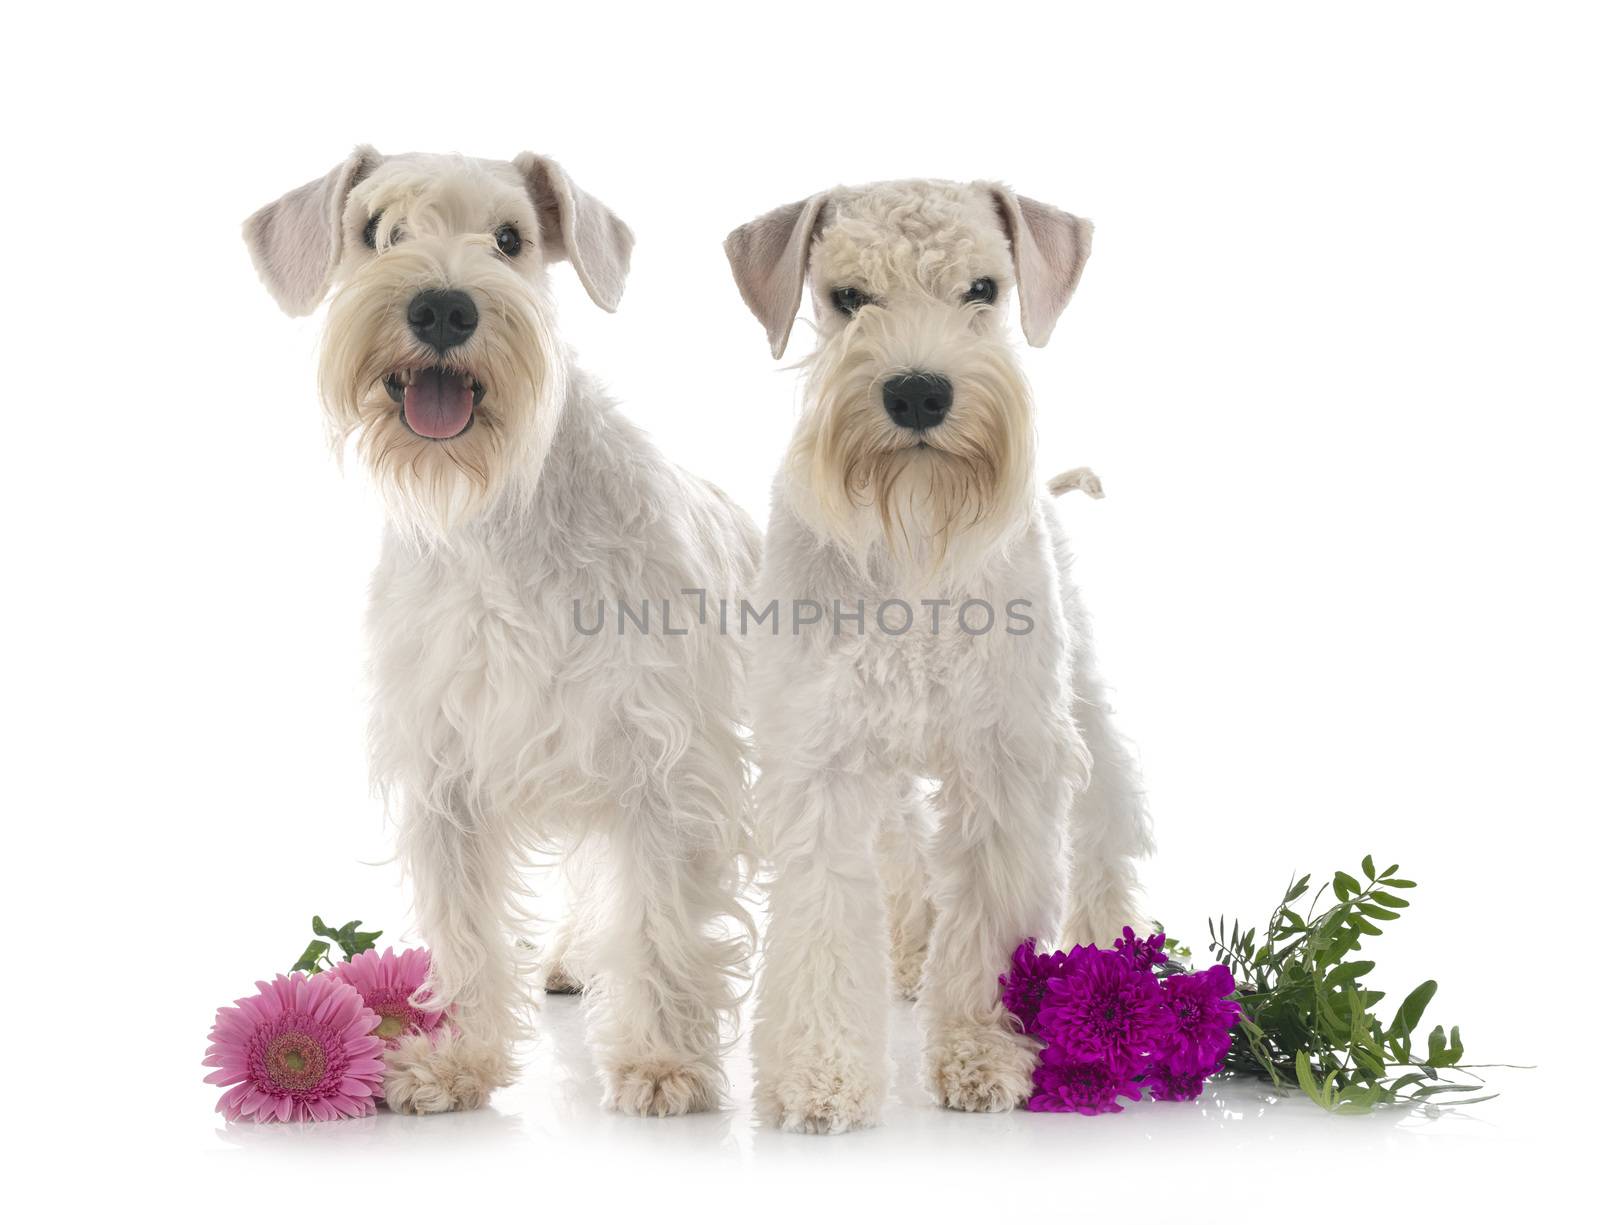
1078 478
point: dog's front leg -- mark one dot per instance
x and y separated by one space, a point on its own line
999 873
669 935
462 871
820 1042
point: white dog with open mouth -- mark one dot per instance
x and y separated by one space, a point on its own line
515 492
941 640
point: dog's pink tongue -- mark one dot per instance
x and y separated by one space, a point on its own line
438 405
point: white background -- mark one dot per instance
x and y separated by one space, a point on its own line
1334 357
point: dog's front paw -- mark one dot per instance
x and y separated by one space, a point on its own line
980 1069
821 1096
449 1071
663 1087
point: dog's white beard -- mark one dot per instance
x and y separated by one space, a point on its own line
860 479
430 487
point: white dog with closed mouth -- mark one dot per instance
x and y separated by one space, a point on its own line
515 492
955 650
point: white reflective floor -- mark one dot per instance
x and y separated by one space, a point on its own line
546 1142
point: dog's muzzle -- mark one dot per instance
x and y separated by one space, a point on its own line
435 402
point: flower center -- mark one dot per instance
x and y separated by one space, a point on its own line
295 1061
393 1024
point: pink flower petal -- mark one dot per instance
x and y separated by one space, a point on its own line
228 1104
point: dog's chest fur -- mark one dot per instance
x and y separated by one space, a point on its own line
916 697
480 672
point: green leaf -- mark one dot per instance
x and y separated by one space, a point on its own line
1372 1064
1345 886
1349 971
1412 1008
349 938
1442 1053
1377 912
1394 883
315 952
1389 899
1303 1074
1366 866
1438 1048
1359 1099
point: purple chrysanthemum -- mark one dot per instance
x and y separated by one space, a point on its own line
1142 954
1067 1086
1167 1085
1023 990
1102 1010
1202 1021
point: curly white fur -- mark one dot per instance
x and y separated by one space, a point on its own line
498 729
1013 729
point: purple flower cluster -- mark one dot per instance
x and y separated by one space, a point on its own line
1111 1029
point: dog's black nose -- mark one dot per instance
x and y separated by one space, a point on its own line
442 318
917 401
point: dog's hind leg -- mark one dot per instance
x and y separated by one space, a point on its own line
560 975
902 864
559 953
1107 829
462 868
1108 826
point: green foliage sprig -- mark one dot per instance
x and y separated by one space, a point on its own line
1307 1018
350 939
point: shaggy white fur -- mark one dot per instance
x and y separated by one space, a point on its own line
498 728
1010 723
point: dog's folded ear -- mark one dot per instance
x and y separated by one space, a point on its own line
296 241
1049 248
573 225
769 257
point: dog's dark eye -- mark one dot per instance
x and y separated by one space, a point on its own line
848 300
508 240
370 234
982 290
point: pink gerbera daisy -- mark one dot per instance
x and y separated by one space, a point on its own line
301 1049
387 981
